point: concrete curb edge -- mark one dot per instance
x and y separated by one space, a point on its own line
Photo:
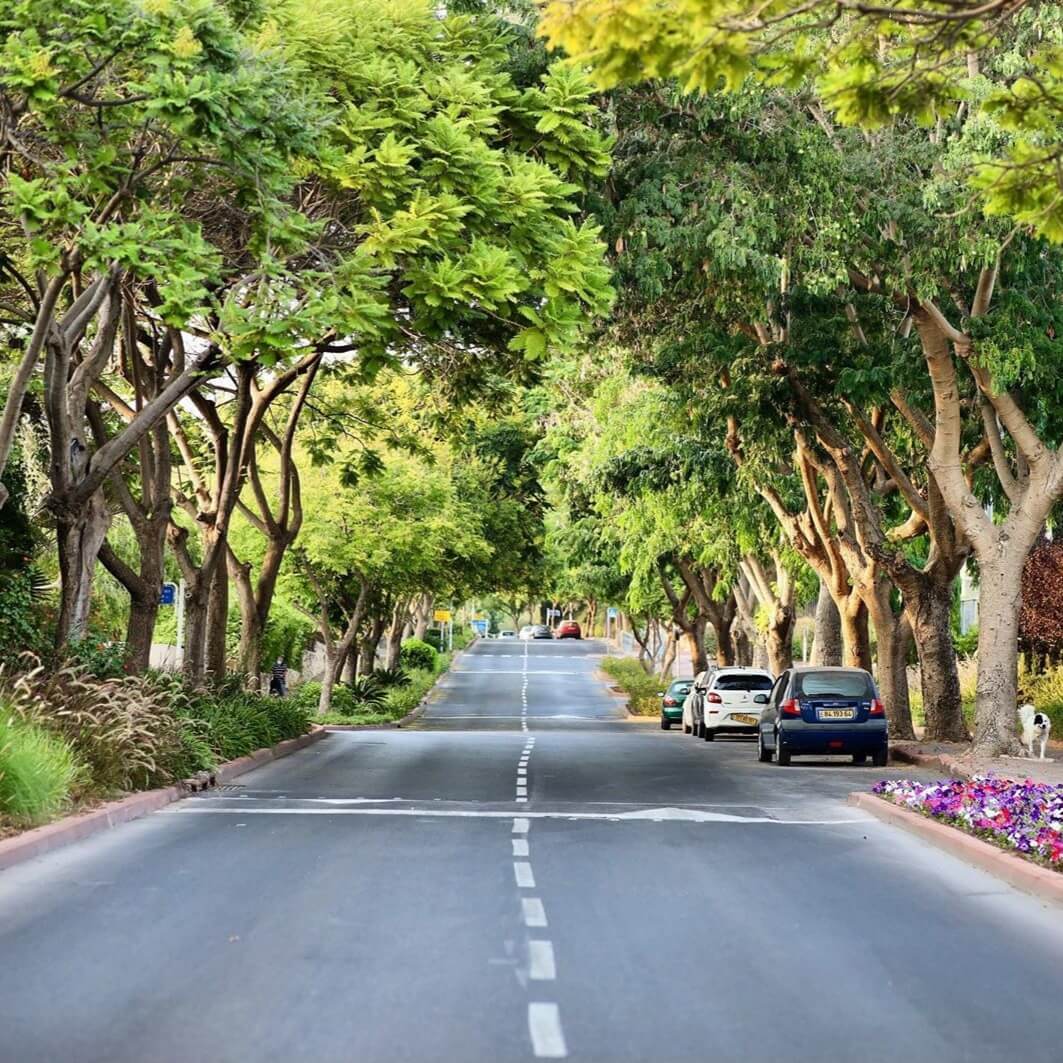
935 761
69 829
1011 868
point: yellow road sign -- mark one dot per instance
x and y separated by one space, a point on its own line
441 616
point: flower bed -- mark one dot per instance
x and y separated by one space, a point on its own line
1026 817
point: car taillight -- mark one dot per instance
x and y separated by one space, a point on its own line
669 701
877 708
790 708
713 698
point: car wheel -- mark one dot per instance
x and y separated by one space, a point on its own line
707 733
880 757
699 729
782 756
666 724
763 755
859 758
686 730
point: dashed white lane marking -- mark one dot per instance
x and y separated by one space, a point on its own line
544 1025
541 966
520 846
534 912
520 800
520 825
522 872
522 771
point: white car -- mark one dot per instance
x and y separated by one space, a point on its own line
526 631
694 702
727 703
507 634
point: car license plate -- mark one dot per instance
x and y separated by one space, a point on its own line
743 717
836 714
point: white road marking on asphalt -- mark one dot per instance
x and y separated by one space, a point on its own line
522 872
520 846
541 966
544 1025
534 913
522 791
652 815
521 800
522 771
520 825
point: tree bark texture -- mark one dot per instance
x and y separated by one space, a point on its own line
827 634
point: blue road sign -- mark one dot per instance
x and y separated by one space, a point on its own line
168 595
613 612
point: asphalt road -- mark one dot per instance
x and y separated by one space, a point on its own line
524 875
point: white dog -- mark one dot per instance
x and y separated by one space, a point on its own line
1036 727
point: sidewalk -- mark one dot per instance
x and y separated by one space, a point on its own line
954 758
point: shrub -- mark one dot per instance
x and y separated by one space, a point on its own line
239 723
102 658
418 654
343 703
403 700
38 770
367 691
125 730
966 645
391 677
636 682
434 637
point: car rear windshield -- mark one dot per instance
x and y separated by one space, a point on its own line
681 688
743 682
834 684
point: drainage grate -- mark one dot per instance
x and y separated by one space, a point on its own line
229 788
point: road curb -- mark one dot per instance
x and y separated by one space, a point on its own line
1011 868
935 761
70 829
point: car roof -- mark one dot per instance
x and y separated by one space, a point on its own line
827 668
741 669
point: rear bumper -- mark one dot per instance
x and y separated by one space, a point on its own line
797 736
673 714
732 728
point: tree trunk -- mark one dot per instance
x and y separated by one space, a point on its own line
725 643
928 608
780 640
328 680
423 616
393 647
217 623
893 637
671 645
743 645
79 537
856 642
827 634
999 598
694 633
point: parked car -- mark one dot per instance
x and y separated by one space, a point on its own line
727 704
507 634
693 716
672 702
569 629
526 631
824 711
541 631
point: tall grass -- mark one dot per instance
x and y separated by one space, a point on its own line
38 771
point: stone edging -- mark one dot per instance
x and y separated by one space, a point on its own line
1025 875
40 840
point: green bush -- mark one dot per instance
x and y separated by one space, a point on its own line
640 686
239 723
391 677
38 771
417 654
966 645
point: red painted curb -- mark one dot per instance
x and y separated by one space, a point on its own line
1012 868
70 829
935 761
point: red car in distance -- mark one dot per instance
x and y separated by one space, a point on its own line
569 629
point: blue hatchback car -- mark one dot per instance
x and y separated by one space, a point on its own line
825 711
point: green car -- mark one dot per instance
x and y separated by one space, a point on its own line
672 702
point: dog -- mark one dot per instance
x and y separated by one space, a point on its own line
1036 727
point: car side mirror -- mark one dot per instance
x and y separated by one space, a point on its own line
701 690
660 693
760 699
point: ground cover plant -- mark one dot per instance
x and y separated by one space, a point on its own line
1025 817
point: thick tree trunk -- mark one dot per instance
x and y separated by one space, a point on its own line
694 633
671 645
999 598
194 664
328 680
725 643
423 616
743 646
856 642
780 640
827 634
393 646
893 637
928 607
217 624
79 536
